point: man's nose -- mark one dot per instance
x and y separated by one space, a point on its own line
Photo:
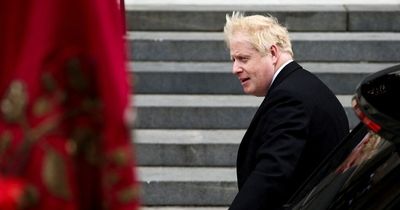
236 68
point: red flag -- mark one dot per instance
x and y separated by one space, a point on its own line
64 97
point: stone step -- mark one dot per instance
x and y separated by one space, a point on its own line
258 2
217 77
205 111
186 147
170 17
312 47
187 186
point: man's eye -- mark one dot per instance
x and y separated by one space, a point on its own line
243 59
240 59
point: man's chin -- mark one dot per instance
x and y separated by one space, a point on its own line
250 92
247 91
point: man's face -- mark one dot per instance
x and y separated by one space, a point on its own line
254 70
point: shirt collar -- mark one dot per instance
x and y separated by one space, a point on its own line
279 70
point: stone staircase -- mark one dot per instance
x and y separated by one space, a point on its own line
191 111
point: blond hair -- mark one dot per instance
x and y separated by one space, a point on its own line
262 31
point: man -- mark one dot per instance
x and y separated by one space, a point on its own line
299 122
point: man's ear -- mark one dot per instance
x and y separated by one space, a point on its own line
274 50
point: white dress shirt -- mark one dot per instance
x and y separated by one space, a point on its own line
279 70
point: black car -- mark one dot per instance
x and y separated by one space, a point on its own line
364 170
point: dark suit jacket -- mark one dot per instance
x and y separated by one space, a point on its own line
299 122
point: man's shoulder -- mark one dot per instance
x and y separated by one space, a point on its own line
301 85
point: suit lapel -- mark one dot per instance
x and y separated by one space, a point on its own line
286 71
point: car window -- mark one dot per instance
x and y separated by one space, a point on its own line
332 161
359 181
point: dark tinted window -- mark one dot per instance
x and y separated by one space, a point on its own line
367 179
333 160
